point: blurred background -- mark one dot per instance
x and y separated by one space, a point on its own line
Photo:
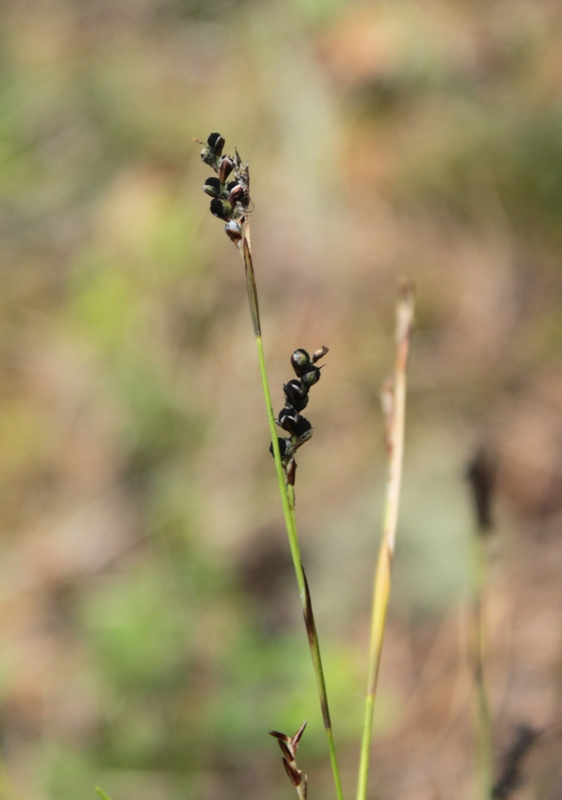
150 627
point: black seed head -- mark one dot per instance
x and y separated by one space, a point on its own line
212 187
296 394
288 420
300 361
221 209
311 376
212 150
216 143
284 445
303 429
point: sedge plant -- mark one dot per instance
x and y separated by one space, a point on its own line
230 202
229 190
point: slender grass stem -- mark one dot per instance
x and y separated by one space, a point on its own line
288 503
394 404
484 730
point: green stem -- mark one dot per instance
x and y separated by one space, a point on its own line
314 644
381 594
288 503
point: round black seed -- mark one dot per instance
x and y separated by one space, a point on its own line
296 394
311 376
216 142
220 209
288 419
212 187
300 361
283 447
303 426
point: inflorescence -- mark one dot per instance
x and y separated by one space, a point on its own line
231 203
230 198
296 400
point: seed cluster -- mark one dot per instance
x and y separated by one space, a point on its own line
230 198
289 746
296 400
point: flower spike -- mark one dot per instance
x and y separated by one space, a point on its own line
296 400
